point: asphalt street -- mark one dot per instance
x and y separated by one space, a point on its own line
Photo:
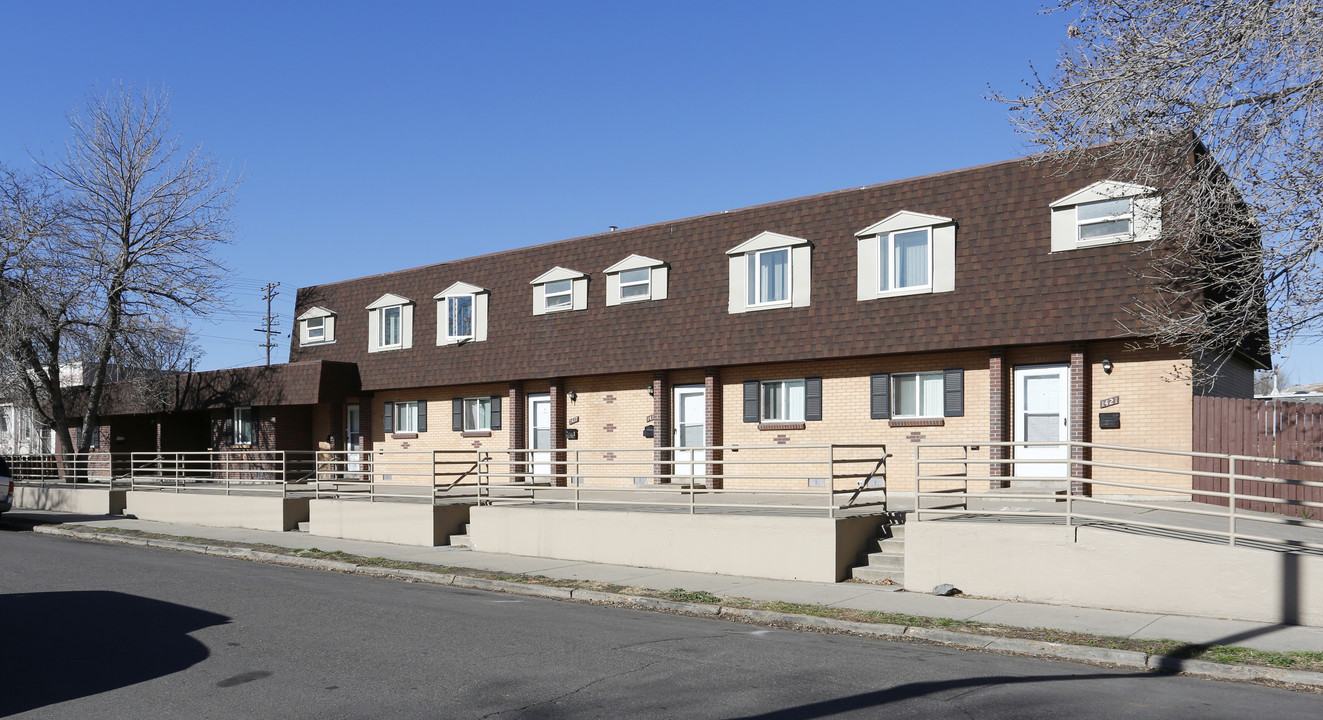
103 631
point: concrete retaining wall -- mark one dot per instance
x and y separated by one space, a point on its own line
82 499
241 511
789 548
1109 569
392 522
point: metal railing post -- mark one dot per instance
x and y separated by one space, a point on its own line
831 481
1231 468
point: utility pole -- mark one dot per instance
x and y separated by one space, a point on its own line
269 323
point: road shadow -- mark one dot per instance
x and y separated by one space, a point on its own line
59 646
20 521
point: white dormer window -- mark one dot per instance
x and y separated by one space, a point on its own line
908 253
635 279
770 270
461 314
558 290
1105 213
316 327
390 323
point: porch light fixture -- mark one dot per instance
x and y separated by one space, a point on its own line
1107 365
651 391
573 396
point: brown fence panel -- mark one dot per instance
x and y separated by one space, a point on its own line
1284 431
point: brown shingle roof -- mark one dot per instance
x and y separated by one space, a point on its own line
1009 290
298 383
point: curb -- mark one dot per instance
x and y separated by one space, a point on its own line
1017 646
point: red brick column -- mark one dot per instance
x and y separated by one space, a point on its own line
999 415
1079 420
514 416
558 413
661 426
712 434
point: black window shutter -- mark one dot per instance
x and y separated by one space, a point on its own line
496 412
227 436
813 398
954 402
751 401
879 396
457 414
422 416
388 419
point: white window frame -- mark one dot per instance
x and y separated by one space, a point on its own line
756 289
484 409
627 284
477 313
450 304
406 418
889 267
919 398
567 295
1128 216
245 426
784 401
316 329
384 325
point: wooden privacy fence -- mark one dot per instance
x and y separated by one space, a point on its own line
1286 432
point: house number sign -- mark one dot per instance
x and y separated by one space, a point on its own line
1108 402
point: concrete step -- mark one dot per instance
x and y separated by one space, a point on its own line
886 562
462 541
877 575
303 526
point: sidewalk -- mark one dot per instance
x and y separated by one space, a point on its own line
859 596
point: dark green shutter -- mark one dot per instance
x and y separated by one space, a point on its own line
751 401
879 396
422 416
388 419
457 414
496 412
954 401
813 398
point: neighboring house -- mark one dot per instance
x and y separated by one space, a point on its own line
974 305
1311 393
20 432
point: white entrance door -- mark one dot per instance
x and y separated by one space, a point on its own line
690 405
539 436
1042 414
353 438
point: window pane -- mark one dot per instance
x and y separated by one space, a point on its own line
1104 229
773 275
638 275
316 328
557 293
931 393
390 326
773 397
461 316
406 417
912 259
1102 209
795 400
477 414
907 394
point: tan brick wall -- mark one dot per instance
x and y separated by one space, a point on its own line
845 419
1155 408
464 448
609 414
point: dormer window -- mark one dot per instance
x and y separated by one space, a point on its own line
1106 213
461 312
558 290
770 270
635 279
390 323
316 327
908 253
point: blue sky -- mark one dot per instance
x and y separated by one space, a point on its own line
375 137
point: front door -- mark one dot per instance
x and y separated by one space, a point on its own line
353 438
690 405
539 436
1042 414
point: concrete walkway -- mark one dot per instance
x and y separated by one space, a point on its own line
860 596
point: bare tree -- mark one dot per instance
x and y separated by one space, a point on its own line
1217 103
132 255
